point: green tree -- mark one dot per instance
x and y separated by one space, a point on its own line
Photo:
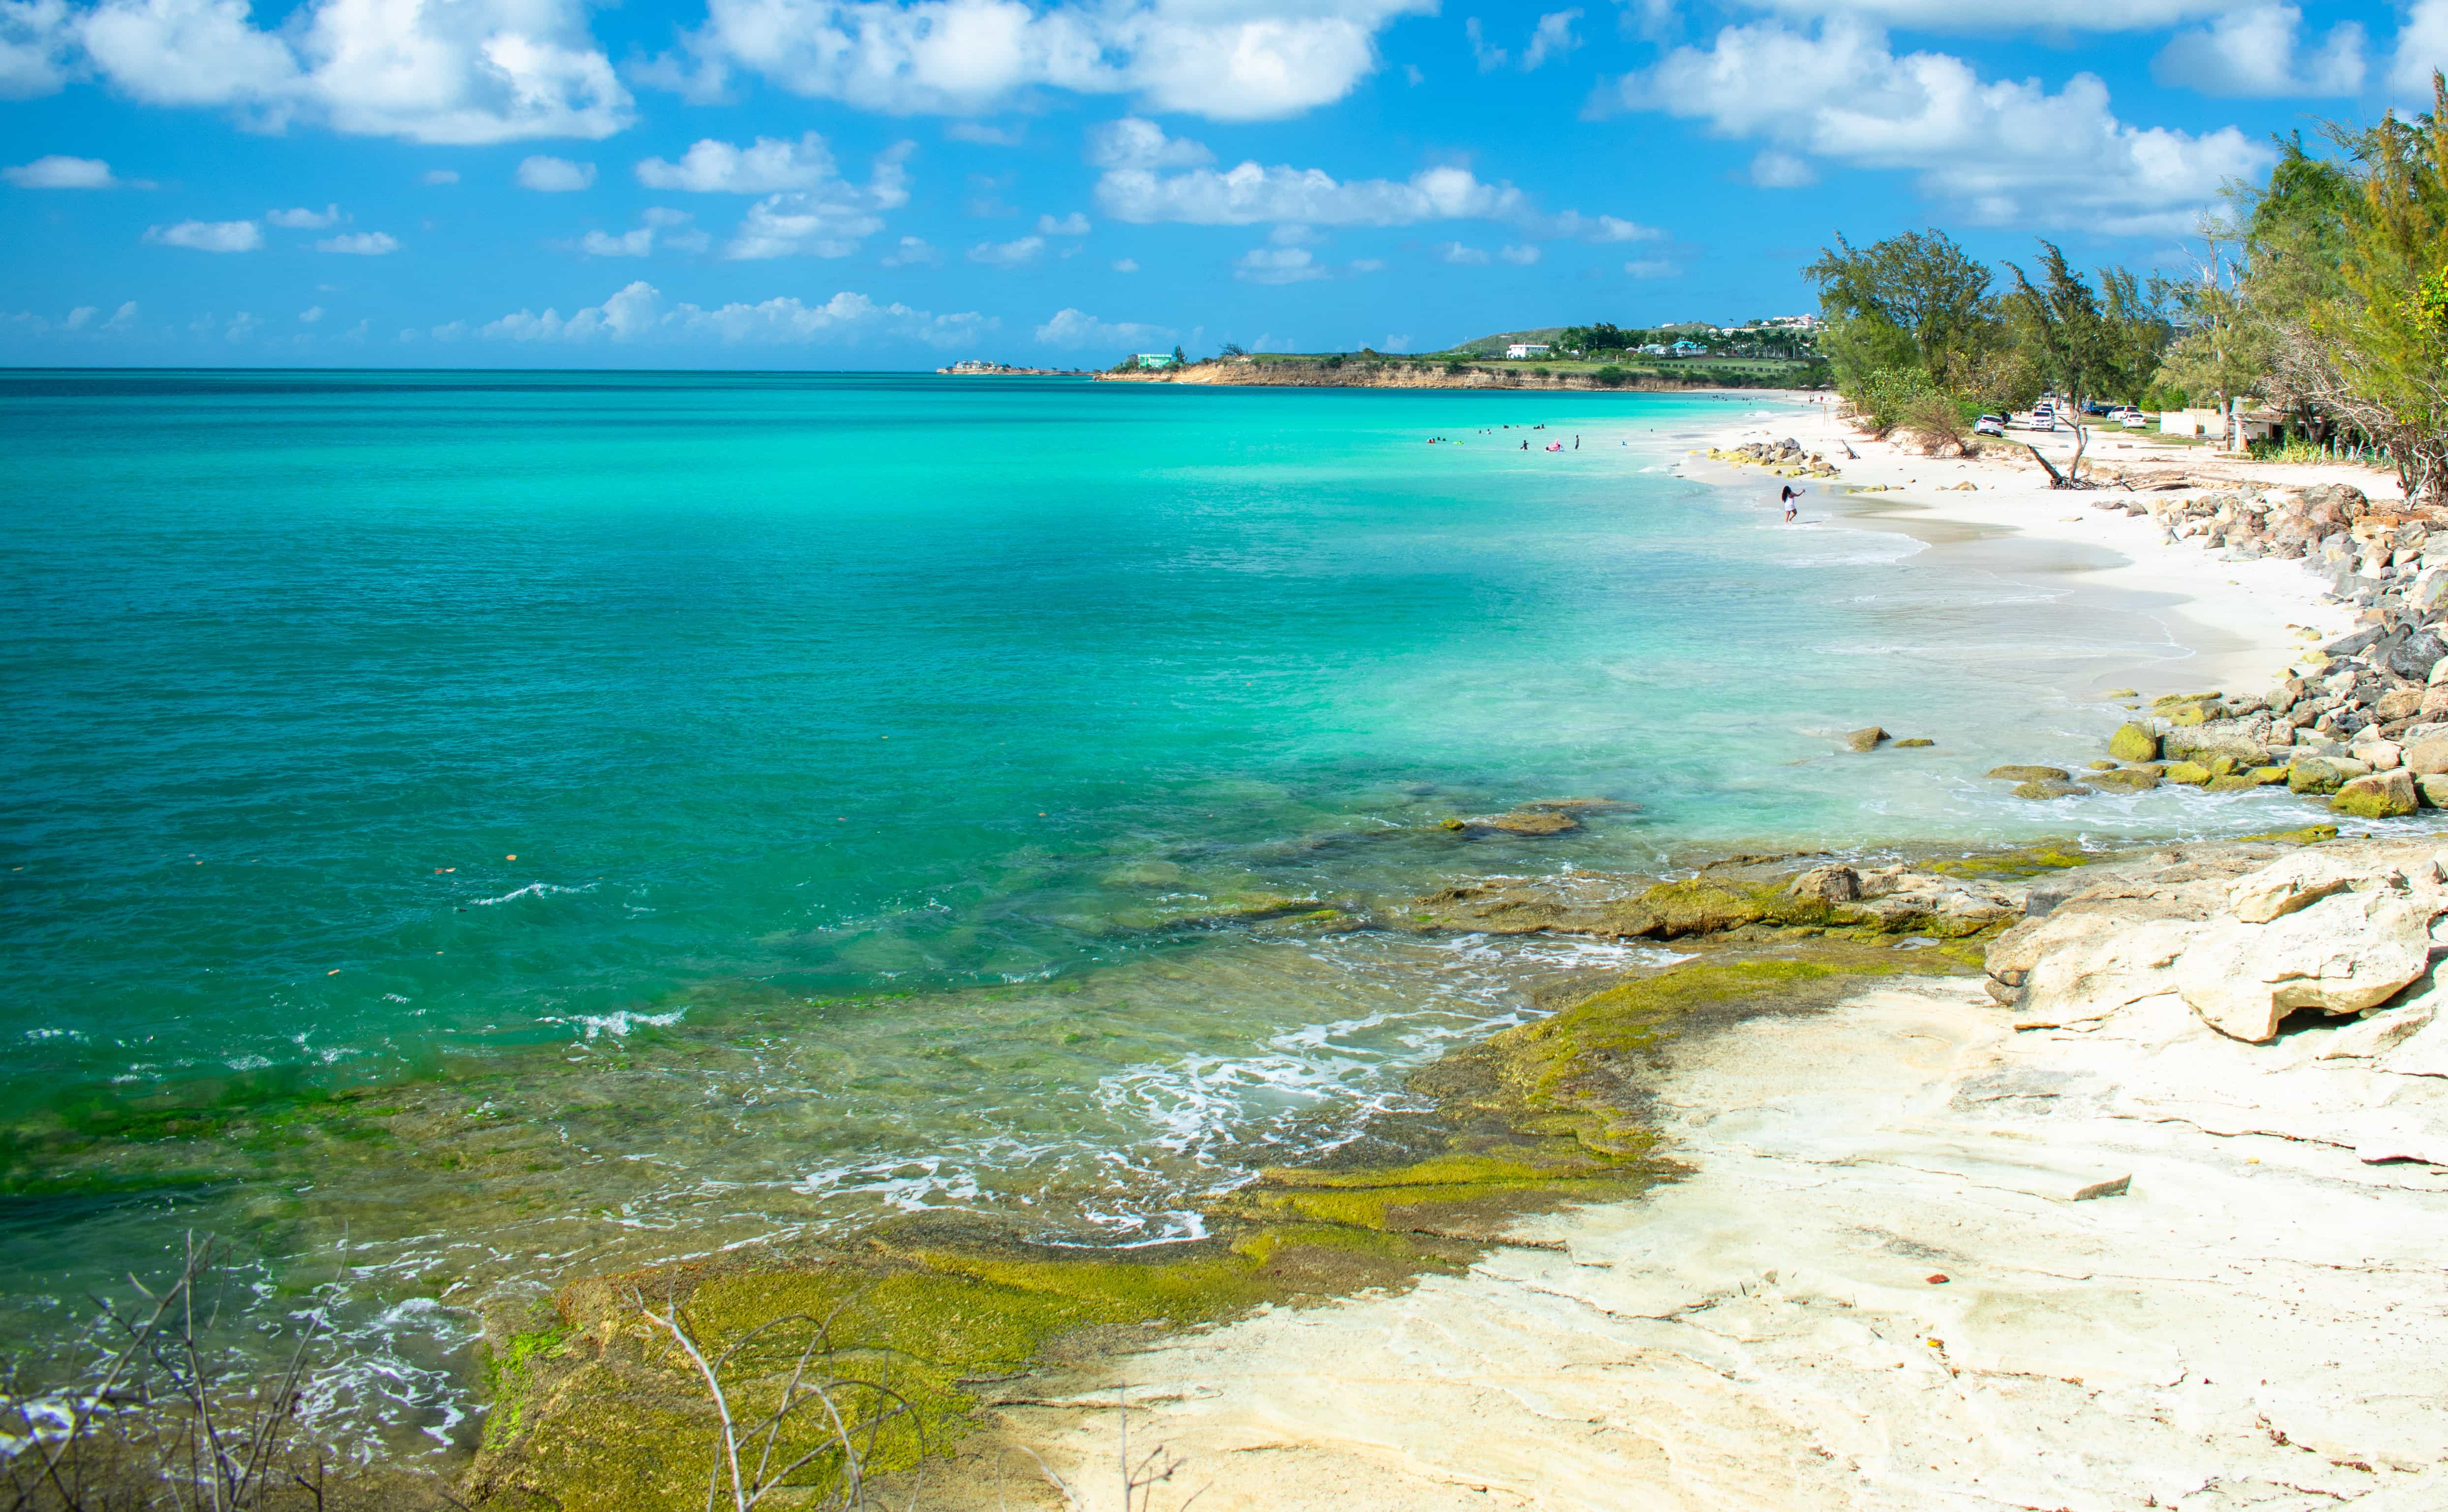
1912 300
2391 327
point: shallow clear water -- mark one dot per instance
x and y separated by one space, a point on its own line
781 787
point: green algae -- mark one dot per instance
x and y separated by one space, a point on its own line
608 1418
2028 860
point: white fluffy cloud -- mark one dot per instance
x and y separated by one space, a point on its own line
662 227
208 236
1228 59
37 48
2001 152
637 314
2421 48
471 71
829 219
360 244
1077 328
310 315
2060 16
1551 38
1280 265
1454 252
2260 51
57 172
1652 267
1074 224
554 176
1014 253
304 219
767 166
1136 187
1773 169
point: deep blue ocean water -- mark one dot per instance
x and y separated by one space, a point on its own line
860 765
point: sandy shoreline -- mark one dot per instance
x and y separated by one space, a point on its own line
2239 619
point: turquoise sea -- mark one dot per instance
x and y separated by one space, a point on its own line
711 807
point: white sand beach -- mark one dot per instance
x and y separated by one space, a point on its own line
2241 619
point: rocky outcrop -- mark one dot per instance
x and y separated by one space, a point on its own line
2243 936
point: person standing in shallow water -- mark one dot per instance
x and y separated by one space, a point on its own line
1790 498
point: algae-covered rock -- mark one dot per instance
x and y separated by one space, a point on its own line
2265 776
2134 743
2050 787
2100 767
2120 693
2231 782
2188 714
2192 773
2311 774
2381 795
1917 743
1532 821
2125 779
1867 738
2030 774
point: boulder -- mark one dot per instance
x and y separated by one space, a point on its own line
2124 779
2050 787
1917 743
2030 774
2134 743
2379 755
2434 791
2312 774
2382 795
2417 654
2290 884
2193 773
2399 703
1827 884
2341 955
1867 739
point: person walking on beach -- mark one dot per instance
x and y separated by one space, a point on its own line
1789 498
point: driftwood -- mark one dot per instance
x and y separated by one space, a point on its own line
2072 477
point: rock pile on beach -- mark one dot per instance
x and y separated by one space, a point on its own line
1786 458
2362 722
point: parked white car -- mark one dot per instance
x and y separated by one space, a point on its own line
2135 420
1989 425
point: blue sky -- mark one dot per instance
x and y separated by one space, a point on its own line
893 183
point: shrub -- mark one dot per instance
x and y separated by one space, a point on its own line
1937 419
1609 375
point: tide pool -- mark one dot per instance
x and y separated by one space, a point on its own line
727 806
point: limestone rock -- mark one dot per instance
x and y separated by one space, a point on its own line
2382 795
2428 757
2399 703
2192 773
2433 791
2290 884
2381 755
1866 739
2341 954
1917 743
2134 743
1829 884
2031 774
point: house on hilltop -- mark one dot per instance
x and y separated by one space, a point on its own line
1152 359
1527 348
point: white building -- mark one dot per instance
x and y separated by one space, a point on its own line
1527 348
